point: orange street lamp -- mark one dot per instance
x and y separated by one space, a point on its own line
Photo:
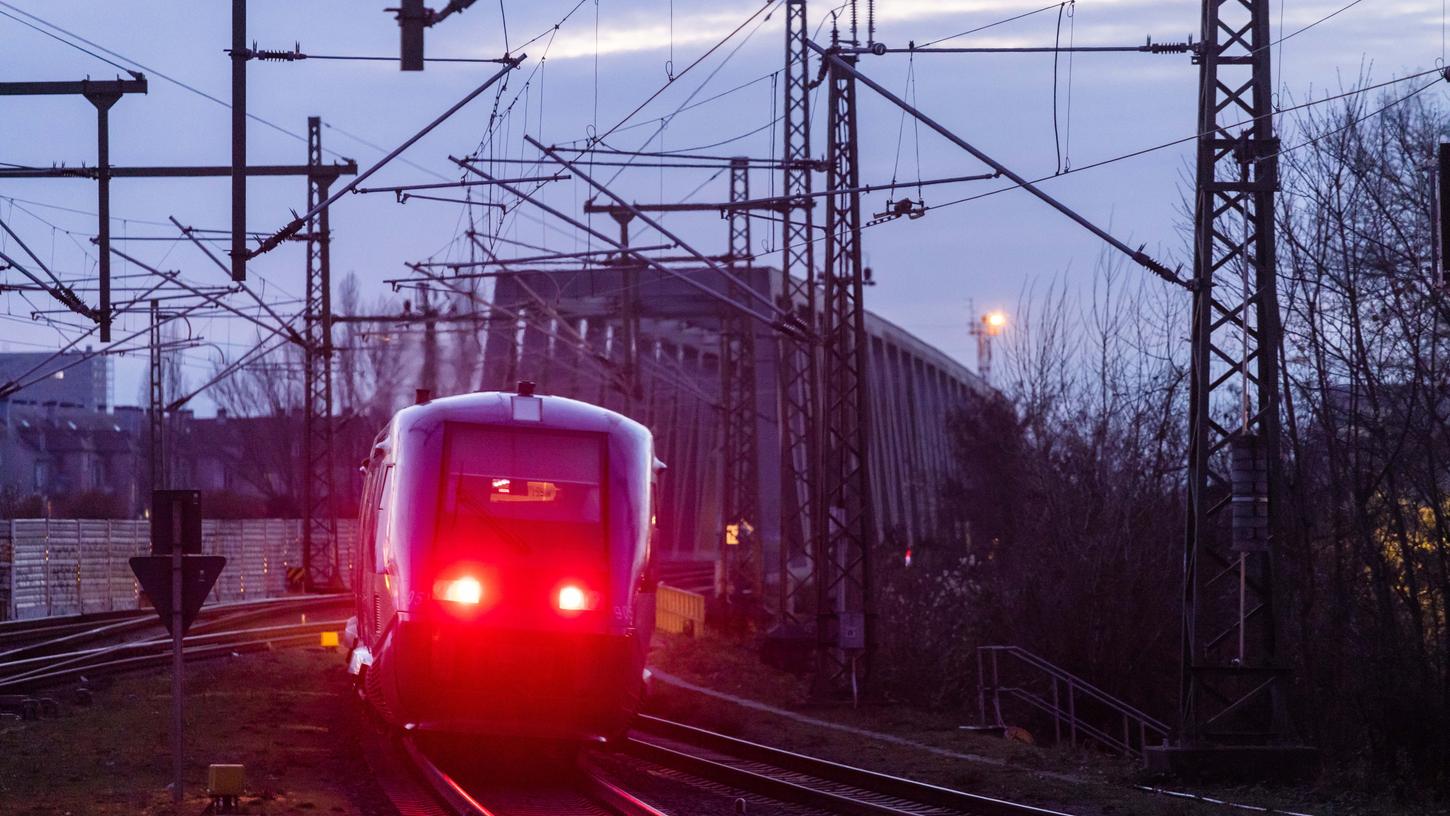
988 326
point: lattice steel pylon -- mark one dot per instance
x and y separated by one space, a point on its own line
740 544
797 360
1233 675
320 562
845 539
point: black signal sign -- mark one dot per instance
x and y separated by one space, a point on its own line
198 575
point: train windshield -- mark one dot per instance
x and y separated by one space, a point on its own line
511 494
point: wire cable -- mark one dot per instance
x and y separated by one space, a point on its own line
1444 76
1056 52
989 25
1297 32
62 41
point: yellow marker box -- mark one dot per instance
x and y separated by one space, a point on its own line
226 780
329 639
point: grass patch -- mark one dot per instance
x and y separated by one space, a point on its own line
286 715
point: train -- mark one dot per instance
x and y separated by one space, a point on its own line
502 575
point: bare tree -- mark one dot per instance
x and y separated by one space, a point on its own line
1367 393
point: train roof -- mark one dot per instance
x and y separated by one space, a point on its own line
516 409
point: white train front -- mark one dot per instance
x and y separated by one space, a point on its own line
502 576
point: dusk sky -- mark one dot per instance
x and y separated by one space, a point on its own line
605 59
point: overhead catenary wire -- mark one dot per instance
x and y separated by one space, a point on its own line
153 72
1065 165
64 41
595 137
1443 75
1011 19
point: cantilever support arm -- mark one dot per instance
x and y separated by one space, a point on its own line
175 278
1138 255
658 227
59 290
781 322
286 325
296 225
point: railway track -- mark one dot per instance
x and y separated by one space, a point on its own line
51 635
803 780
567 788
52 657
697 758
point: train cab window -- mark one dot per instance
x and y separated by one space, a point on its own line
512 495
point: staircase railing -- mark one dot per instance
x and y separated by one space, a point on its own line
1079 710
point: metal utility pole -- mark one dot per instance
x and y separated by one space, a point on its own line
155 410
240 54
629 338
741 505
1234 677
629 305
845 537
102 95
799 462
429 375
320 561
414 17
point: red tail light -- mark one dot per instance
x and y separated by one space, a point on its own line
574 598
464 590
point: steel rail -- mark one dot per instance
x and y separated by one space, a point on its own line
23 627
210 618
27 669
613 797
443 786
590 785
74 636
778 773
163 656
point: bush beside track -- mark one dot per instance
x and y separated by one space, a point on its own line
1059 779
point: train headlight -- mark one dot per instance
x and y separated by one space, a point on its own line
465 590
574 598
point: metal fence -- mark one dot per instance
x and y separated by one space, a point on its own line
679 611
73 566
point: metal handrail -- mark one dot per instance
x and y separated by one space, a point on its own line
1064 711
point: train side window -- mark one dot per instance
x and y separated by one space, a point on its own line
364 543
368 518
382 513
649 578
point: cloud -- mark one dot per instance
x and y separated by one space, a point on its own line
636 30
630 29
